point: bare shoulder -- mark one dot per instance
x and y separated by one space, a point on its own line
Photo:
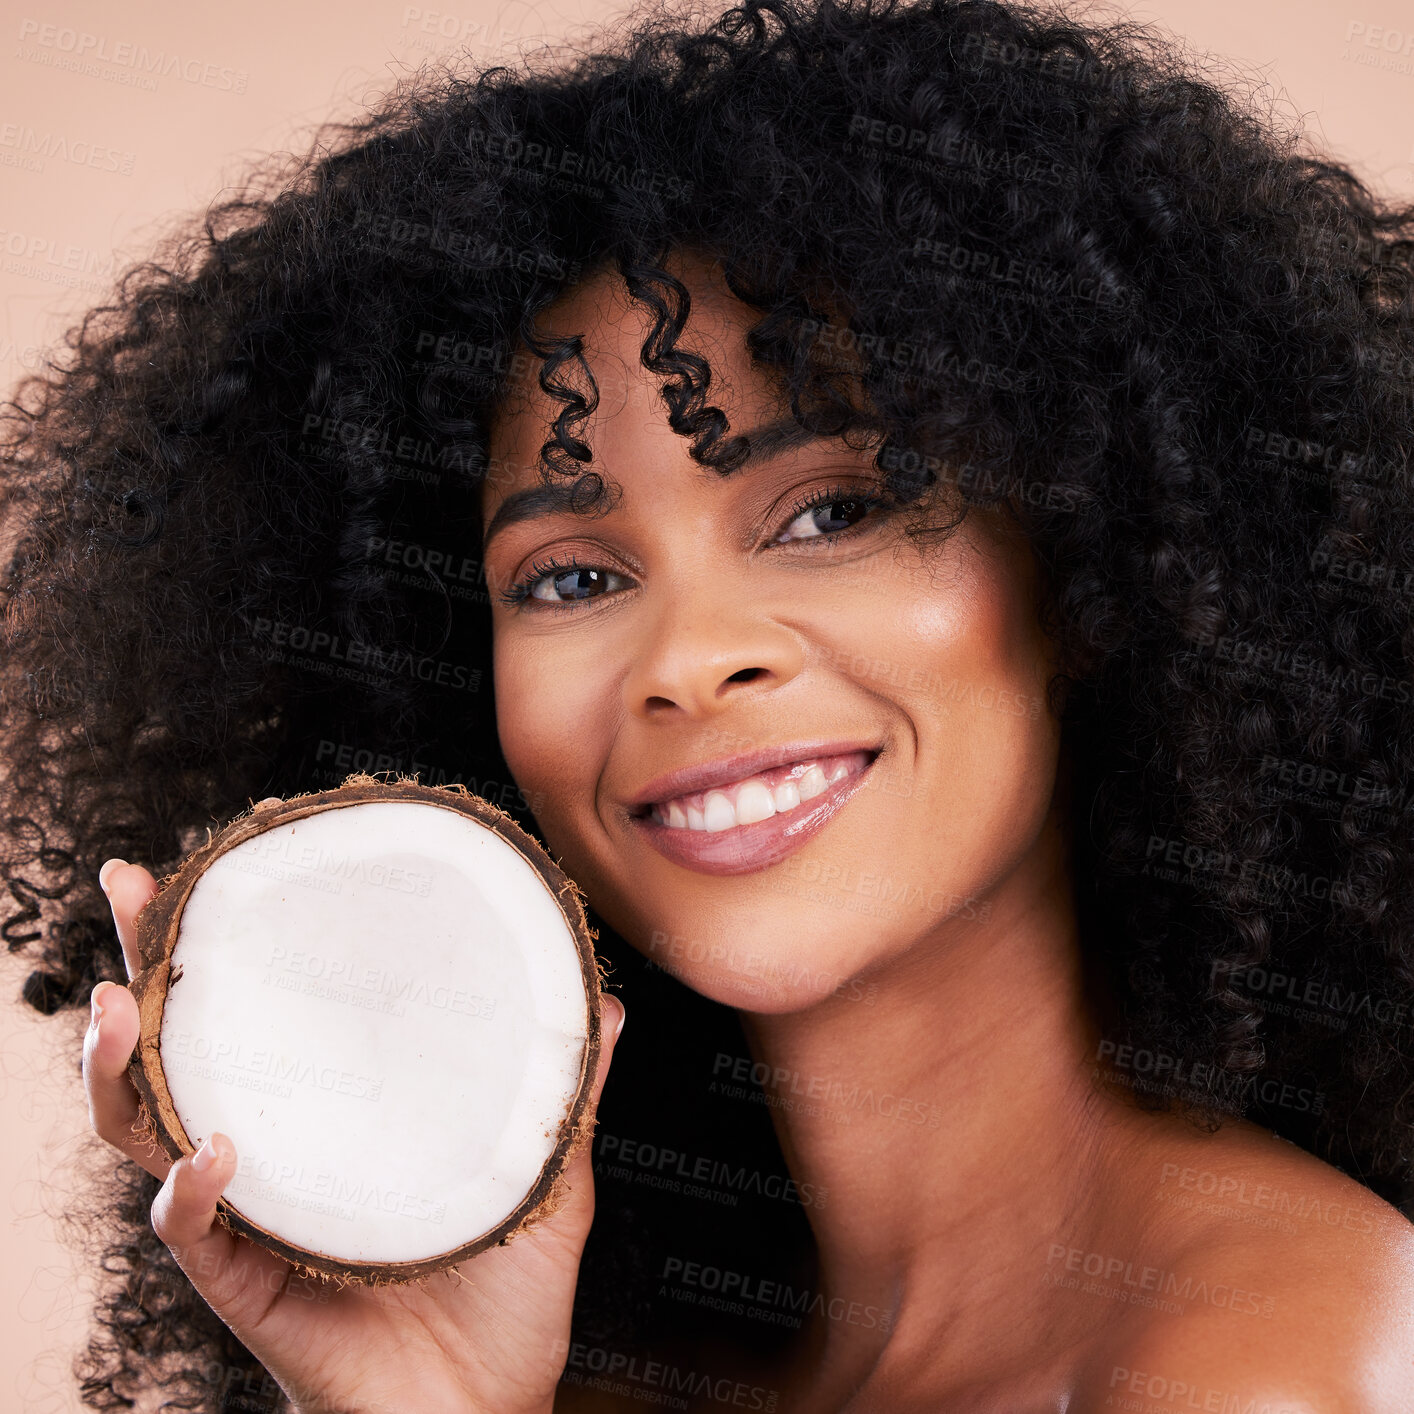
1286 1288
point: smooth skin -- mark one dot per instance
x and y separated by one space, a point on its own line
714 628
487 1337
924 945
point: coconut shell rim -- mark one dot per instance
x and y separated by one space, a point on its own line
157 926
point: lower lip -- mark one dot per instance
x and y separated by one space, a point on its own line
743 849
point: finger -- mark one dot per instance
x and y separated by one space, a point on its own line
112 1097
128 887
578 1174
239 1280
611 1021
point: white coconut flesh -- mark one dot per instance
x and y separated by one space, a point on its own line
383 1006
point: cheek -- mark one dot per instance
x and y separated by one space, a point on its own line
549 707
975 665
954 624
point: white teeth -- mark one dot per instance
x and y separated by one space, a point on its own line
718 812
754 802
748 801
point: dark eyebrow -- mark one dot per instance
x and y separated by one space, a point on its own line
768 441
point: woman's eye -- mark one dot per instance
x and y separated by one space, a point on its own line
569 583
837 513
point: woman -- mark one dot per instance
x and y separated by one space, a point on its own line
1031 843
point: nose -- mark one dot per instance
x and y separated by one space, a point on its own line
699 660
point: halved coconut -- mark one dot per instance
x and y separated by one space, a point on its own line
387 996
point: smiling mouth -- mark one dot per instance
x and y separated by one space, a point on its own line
778 791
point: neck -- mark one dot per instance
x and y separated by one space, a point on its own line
950 1126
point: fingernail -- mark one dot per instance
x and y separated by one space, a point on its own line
106 872
96 1006
623 1015
205 1156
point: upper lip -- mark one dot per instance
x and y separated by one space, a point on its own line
734 768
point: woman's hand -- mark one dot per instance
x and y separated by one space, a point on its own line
487 1337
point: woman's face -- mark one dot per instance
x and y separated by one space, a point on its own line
720 621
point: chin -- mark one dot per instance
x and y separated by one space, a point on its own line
757 969
762 995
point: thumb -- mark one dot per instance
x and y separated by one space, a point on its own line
578 1174
234 1277
184 1213
611 1023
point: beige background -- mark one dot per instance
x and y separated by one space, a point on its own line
256 80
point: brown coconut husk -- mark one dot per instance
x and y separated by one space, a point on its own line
157 928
